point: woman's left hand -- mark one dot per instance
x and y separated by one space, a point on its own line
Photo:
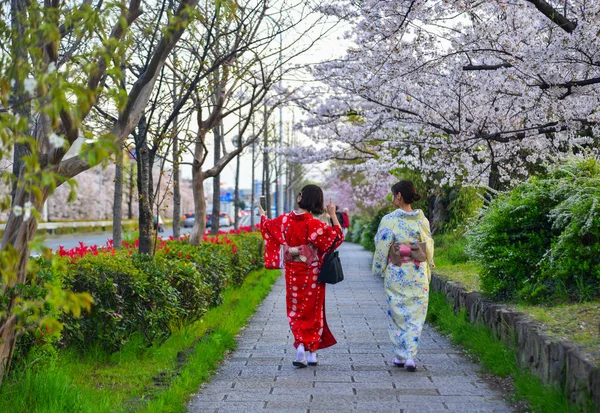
330 208
331 211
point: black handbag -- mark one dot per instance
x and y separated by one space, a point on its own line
331 271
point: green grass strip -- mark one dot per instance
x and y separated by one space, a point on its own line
495 357
125 381
238 306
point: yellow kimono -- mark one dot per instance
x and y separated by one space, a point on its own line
406 285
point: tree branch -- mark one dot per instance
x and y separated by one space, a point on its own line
553 14
486 67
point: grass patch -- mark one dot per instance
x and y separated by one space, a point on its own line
452 262
571 322
137 378
495 357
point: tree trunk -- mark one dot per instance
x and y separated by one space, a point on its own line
438 212
216 208
199 206
144 189
176 190
17 8
253 186
493 183
118 200
18 234
130 195
236 202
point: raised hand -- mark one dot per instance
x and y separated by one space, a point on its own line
330 208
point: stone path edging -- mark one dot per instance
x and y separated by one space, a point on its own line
354 375
557 363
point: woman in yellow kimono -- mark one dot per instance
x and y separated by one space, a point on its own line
406 285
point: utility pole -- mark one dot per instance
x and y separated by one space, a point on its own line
280 172
253 195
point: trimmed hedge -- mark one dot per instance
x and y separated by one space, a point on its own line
149 295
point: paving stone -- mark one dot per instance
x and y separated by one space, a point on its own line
340 404
354 375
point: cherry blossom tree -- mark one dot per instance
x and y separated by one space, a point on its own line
463 91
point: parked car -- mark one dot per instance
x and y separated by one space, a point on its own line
159 225
188 220
224 220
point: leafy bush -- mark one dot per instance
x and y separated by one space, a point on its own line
186 284
213 262
357 227
247 255
464 204
573 262
40 341
540 240
367 239
135 293
122 302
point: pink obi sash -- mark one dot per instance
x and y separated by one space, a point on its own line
301 253
400 254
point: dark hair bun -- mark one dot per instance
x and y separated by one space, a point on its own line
407 190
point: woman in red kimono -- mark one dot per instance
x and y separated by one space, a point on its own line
305 241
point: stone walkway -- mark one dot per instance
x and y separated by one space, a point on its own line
354 375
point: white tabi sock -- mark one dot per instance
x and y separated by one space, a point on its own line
312 357
300 354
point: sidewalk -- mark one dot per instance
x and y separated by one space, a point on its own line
354 375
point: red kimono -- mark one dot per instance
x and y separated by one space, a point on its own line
305 296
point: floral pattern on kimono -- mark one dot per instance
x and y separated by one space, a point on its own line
305 296
406 285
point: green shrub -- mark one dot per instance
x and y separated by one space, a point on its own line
141 294
248 255
220 260
367 239
186 284
212 261
357 226
511 239
119 291
464 204
540 241
41 342
573 262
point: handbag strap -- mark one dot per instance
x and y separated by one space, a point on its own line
330 249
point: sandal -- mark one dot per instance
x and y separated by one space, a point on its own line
312 361
411 366
300 364
398 362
